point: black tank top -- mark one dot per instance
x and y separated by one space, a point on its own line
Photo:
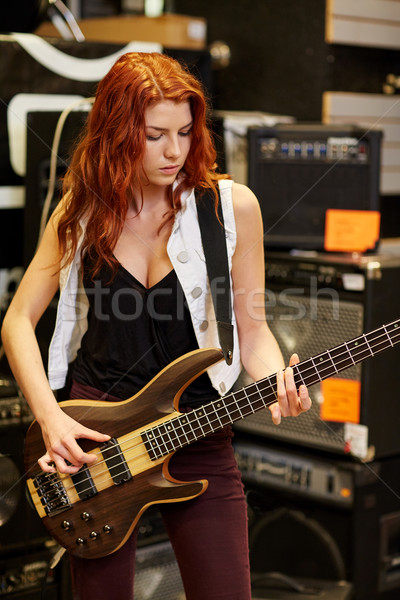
133 333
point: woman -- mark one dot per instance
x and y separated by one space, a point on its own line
127 231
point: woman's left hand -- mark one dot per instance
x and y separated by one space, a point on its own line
291 402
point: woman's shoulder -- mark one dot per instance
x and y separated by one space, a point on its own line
245 203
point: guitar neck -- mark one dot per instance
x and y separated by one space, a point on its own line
190 427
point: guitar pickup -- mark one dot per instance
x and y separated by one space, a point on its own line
84 484
115 461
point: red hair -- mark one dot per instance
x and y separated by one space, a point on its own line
108 161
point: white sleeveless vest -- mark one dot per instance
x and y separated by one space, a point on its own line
186 254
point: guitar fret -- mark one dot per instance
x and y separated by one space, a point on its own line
259 400
239 396
191 434
248 402
253 404
297 372
203 421
152 443
360 349
329 367
350 354
184 421
341 358
316 370
235 413
221 406
207 408
173 434
161 440
369 347
388 336
332 361
217 415
167 441
271 384
169 429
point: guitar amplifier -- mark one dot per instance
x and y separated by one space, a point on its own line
321 522
314 303
157 573
299 171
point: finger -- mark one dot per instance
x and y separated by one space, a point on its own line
96 436
73 453
46 464
305 400
292 398
281 394
275 413
91 434
52 465
294 359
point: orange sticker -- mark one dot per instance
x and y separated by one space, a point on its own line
351 230
341 400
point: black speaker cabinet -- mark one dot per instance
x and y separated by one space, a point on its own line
299 171
157 574
41 127
322 518
314 303
20 527
26 576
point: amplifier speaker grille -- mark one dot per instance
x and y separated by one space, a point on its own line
157 574
309 327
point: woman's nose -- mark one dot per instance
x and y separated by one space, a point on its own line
173 149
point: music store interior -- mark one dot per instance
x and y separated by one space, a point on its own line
306 112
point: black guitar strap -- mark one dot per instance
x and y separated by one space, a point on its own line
214 245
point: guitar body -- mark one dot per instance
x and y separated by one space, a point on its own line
99 524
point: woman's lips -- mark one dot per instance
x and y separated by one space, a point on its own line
170 169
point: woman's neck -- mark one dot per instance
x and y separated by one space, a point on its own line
150 199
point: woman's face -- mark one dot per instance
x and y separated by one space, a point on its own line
168 138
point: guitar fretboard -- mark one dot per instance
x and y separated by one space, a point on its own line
189 427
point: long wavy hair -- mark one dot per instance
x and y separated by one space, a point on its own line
107 164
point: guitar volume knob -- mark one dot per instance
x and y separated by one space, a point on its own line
85 516
94 535
66 525
107 529
80 541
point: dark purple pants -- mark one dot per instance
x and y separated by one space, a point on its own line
208 533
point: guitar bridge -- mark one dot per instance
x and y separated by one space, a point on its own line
52 494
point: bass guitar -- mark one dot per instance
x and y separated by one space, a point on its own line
93 512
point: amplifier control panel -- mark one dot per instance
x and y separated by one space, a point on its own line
309 476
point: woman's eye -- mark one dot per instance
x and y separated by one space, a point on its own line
153 138
185 133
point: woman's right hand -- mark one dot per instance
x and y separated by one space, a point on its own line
60 434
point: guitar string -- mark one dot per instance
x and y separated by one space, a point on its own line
227 406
